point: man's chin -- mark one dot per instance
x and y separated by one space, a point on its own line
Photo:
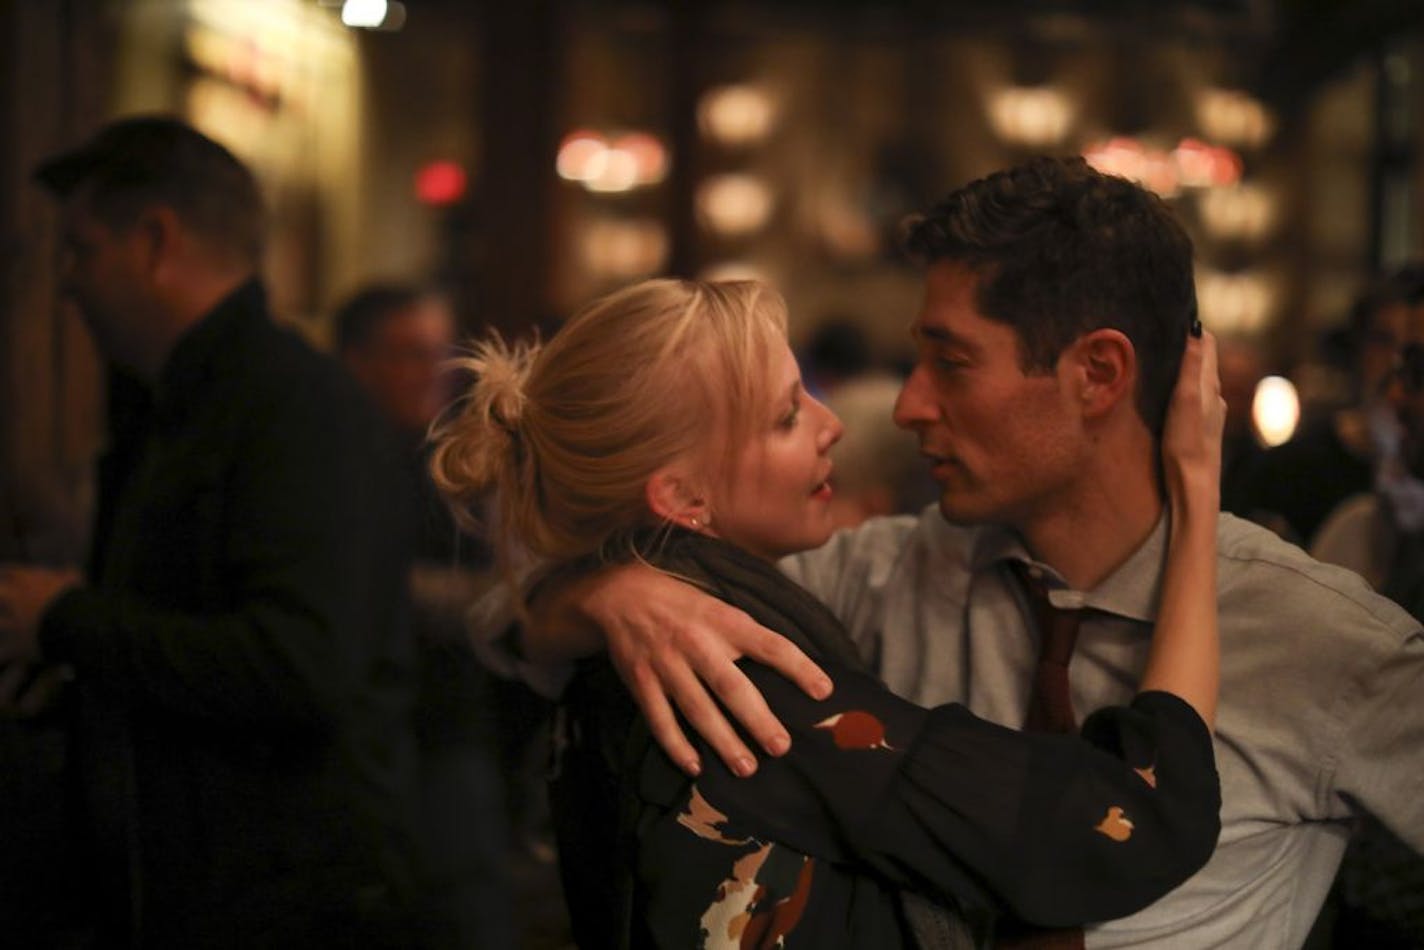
956 512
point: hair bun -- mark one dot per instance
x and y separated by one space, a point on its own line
503 372
478 444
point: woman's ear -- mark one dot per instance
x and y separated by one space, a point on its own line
1105 370
672 496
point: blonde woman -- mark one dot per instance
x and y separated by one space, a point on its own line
668 423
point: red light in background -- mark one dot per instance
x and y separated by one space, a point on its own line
440 183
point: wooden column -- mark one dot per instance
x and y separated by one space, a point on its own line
509 238
56 70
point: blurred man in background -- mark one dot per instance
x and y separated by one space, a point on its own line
241 697
396 339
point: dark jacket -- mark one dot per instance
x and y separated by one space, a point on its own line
241 724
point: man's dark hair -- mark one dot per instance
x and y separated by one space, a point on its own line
1060 250
356 320
139 162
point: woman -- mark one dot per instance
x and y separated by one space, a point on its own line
667 423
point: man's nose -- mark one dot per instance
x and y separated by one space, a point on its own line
914 405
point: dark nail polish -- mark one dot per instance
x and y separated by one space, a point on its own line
1196 327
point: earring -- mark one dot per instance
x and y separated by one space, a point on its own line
693 523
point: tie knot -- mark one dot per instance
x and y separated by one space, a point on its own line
1050 705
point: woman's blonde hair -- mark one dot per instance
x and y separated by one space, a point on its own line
567 434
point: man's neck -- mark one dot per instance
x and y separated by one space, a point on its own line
1092 534
187 308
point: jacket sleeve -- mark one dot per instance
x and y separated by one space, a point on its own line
1063 830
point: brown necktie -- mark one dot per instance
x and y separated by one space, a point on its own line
1050 705
1050 709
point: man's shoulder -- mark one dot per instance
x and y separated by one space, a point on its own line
276 374
1264 575
279 362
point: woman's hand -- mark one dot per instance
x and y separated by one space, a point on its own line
1185 654
1196 417
670 643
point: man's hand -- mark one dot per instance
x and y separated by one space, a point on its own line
667 639
27 690
25 594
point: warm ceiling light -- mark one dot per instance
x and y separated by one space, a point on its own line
625 249
736 115
1035 116
734 204
576 155
1234 118
1234 303
1275 410
1243 212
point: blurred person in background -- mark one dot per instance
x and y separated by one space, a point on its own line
1376 533
838 351
396 340
1242 366
1293 488
240 650
1379 896
878 466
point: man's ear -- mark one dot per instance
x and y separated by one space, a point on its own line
1104 367
160 232
673 496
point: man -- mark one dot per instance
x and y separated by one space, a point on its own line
1056 304
397 340
241 702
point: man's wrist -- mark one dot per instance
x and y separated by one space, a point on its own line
58 633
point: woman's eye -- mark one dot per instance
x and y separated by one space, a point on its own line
788 421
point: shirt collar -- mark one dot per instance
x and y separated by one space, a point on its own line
1131 591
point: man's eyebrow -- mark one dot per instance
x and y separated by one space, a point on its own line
940 335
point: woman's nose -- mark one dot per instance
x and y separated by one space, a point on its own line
831 429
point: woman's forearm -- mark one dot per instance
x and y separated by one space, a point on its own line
1185 654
